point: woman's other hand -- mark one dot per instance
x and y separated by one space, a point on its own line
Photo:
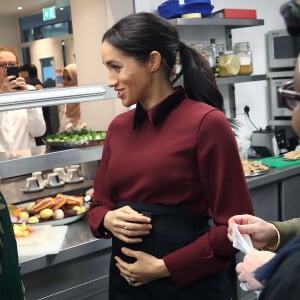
145 269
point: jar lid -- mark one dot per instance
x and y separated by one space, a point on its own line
191 16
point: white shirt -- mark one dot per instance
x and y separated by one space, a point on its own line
18 128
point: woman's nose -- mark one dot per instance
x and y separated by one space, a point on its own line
112 81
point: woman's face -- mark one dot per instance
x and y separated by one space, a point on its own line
131 79
67 79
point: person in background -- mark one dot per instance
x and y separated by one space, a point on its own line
275 274
70 113
11 286
18 128
170 174
30 73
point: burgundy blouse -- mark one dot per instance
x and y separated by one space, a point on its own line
181 152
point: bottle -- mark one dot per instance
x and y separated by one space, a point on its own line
229 64
213 56
242 50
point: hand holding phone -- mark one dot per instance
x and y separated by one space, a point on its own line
12 71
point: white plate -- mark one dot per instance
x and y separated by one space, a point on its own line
63 221
54 186
80 179
24 190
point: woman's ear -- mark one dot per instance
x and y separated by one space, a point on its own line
154 61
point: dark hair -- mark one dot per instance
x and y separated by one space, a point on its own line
31 69
137 35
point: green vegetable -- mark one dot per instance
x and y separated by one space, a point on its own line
74 135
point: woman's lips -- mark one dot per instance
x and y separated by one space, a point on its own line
120 94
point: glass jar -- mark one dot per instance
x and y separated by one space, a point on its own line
200 48
229 64
242 50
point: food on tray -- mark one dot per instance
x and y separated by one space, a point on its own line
46 209
292 155
253 167
76 135
22 230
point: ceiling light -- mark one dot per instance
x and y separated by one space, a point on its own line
19 7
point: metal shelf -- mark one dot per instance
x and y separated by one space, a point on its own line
229 23
239 79
55 96
41 158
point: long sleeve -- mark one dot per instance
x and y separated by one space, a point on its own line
36 122
287 230
226 194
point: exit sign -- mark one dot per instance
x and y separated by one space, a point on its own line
49 13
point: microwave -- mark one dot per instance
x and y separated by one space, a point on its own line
278 110
282 49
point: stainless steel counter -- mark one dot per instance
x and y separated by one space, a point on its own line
273 175
78 242
78 271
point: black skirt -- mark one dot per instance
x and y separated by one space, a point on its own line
172 228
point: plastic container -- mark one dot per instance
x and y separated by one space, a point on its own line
243 51
229 64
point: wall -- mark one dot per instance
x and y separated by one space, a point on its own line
9 33
253 94
51 47
93 18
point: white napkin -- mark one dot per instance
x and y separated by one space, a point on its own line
243 243
240 241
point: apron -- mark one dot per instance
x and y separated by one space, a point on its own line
172 228
10 279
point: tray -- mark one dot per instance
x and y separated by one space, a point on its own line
252 168
257 173
76 144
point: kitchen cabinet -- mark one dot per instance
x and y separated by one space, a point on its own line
201 26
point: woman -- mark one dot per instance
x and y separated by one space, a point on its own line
70 113
18 128
168 167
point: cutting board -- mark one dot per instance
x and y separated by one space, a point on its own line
50 245
278 162
38 236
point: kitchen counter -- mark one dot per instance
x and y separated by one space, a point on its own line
79 270
78 242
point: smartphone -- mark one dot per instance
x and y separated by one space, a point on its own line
12 71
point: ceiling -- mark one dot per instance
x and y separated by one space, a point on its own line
9 7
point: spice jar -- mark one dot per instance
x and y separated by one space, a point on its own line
229 64
242 50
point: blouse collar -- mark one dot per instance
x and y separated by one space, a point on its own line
159 112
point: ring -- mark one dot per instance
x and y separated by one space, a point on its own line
129 280
125 227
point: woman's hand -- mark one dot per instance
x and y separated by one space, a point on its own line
127 224
262 233
251 262
145 269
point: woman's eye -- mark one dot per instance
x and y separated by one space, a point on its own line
116 68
